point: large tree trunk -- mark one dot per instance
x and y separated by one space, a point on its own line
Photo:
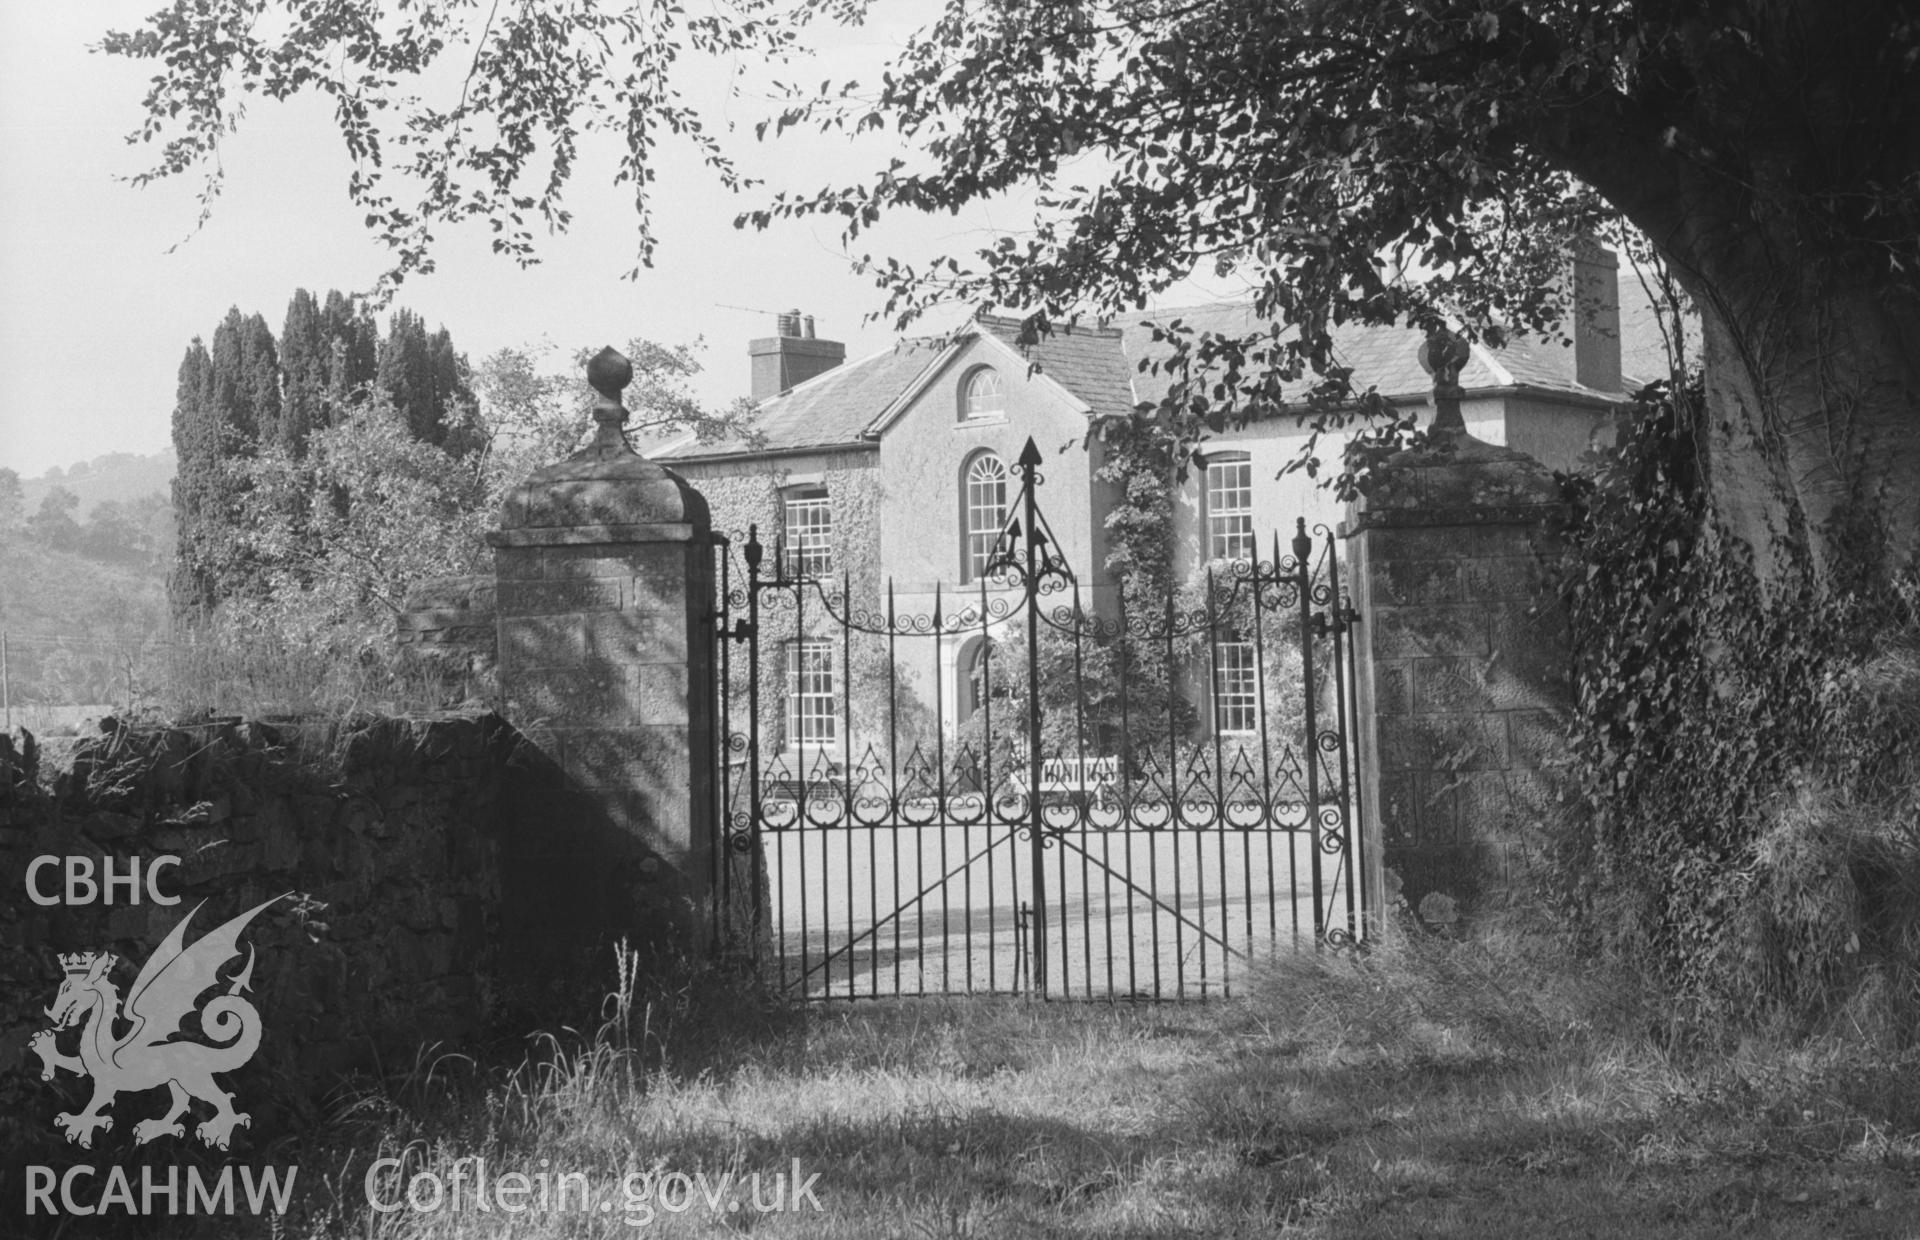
1767 152
1813 415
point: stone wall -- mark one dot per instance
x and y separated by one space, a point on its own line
395 842
450 621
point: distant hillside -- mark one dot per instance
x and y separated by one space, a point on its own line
117 475
76 627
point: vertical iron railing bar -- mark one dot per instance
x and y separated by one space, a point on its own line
722 847
895 811
753 553
1174 816
986 814
1336 615
1293 844
1269 811
849 820
1029 469
1219 768
941 815
1303 566
798 745
1125 827
1359 816
1083 815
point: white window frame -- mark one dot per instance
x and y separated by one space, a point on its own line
1236 688
983 519
983 395
808 514
1229 508
813 699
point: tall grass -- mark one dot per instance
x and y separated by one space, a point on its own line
281 667
1449 1086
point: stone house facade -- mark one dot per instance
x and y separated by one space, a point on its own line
888 475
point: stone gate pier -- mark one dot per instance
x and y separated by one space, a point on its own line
1463 667
604 569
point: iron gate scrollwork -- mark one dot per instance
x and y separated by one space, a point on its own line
1017 788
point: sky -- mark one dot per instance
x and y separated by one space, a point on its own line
105 285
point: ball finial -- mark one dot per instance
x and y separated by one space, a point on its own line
609 373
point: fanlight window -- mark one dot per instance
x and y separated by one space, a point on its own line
986 512
983 397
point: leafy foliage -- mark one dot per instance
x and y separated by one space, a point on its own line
236 401
536 79
336 530
1714 721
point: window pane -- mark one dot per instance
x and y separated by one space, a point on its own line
809 532
1236 688
985 396
813 712
1230 510
986 511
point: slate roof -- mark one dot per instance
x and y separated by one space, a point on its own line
829 410
1090 362
1385 358
1101 366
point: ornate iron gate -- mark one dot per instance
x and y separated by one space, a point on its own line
1086 797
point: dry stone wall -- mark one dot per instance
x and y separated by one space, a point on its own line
395 842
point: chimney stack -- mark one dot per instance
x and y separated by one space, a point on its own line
1596 316
792 357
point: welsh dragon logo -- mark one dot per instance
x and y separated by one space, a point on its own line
142 1058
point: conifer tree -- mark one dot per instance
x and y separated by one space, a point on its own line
198 487
305 357
353 350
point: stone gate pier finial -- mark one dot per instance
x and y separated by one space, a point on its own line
608 373
1445 355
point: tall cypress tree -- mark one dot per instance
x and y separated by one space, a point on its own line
246 382
198 486
305 352
405 375
423 376
353 356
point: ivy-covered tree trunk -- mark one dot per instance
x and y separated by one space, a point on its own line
1813 421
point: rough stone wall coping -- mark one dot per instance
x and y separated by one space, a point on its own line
595 535
1428 518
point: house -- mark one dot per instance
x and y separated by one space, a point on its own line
891 475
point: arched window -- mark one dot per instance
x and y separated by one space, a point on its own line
981 395
984 511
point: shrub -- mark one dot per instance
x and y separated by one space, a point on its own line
1743 753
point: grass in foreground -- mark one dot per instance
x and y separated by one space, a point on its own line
1433 1090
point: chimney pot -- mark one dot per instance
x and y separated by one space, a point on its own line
792 357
